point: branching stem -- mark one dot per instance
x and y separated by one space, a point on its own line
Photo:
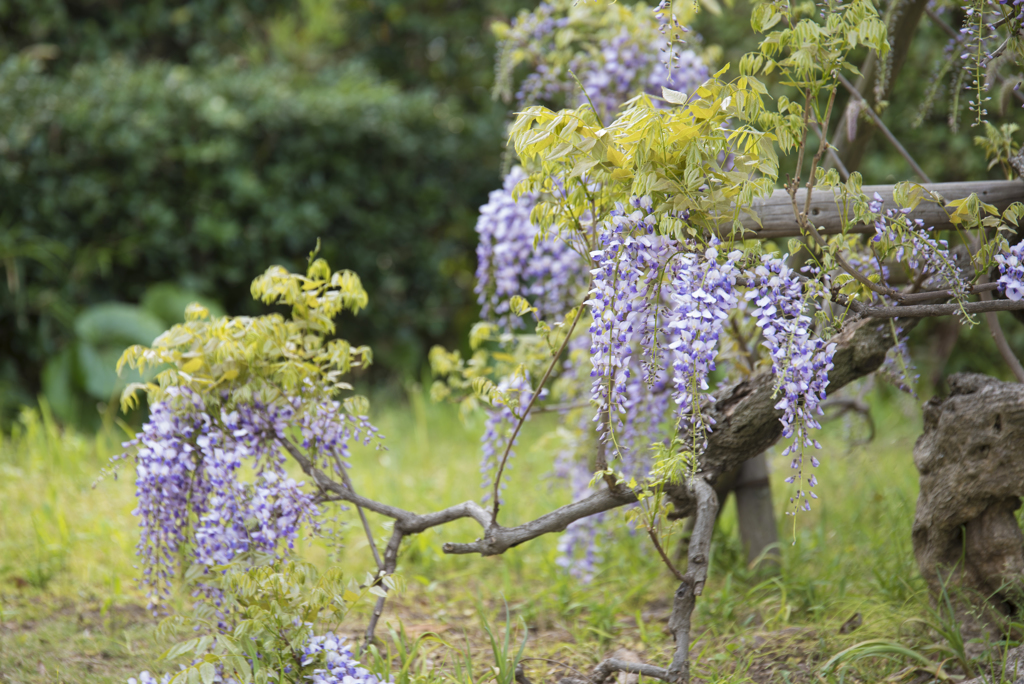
526 411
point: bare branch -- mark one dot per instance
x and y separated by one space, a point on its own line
606 668
406 521
932 295
928 310
692 585
498 539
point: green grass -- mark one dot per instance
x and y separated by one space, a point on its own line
69 607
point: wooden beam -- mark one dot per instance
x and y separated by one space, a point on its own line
778 221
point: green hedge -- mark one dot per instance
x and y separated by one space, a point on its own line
175 30
114 177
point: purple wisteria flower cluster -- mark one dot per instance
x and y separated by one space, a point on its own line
616 68
341 667
578 551
514 259
191 491
622 296
1011 272
628 67
800 361
703 293
329 655
912 245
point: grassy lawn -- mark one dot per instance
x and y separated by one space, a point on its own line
70 610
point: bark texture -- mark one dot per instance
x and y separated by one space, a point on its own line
971 460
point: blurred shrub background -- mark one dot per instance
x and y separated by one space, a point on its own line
191 144
153 152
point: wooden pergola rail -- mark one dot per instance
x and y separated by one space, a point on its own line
777 220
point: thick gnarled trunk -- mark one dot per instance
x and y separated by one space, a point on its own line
971 460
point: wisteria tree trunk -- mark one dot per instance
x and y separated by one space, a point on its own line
971 460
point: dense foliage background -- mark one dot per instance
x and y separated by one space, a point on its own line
191 144
183 145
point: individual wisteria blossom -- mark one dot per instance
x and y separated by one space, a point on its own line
513 259
340 666
703 293
191 491
800 361
1011 272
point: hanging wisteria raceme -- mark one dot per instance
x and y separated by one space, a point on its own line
897 367
189 485
641 57
621 296
1011 272
512 260
647 407
703 293
912 245
800 361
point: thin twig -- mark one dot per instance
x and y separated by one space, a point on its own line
390 563
653 534
929 295
927 310
882 127
822 145
362 514
526 412
840 166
